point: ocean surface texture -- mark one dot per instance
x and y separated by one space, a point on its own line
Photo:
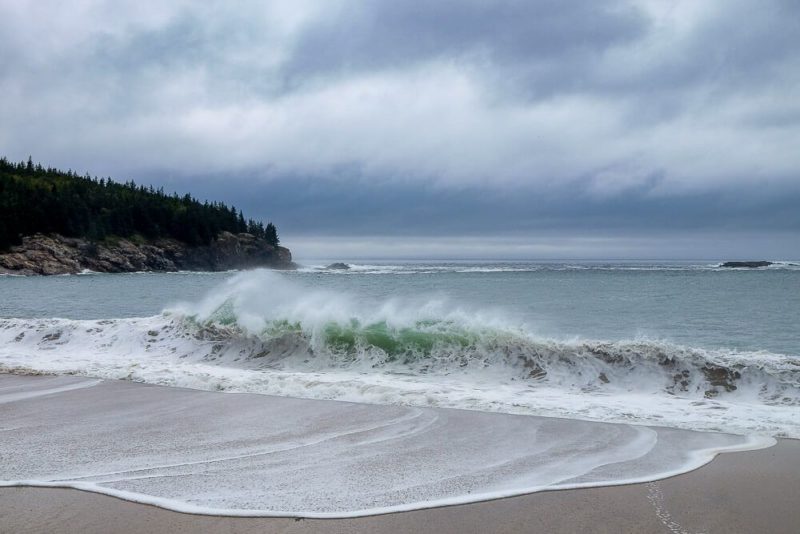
681 345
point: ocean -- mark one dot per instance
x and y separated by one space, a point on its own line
678 344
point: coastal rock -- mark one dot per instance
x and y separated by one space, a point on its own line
238 251
749 264
338 266
55 254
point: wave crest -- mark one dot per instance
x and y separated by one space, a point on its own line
262 334
446 347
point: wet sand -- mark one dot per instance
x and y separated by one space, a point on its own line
753 491
742 492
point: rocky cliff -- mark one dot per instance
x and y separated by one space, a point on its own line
55 254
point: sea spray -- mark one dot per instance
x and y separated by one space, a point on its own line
260 332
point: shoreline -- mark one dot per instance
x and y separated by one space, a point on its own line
54 254
751 491
189 509
53 403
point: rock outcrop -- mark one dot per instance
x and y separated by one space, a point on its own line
55 254
748 264
338 266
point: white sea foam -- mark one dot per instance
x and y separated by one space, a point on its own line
258 332
245 455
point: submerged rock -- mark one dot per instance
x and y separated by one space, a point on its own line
56 254
338 266
749 264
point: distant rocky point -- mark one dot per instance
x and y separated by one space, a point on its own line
55 254
338 266
118 227
749 264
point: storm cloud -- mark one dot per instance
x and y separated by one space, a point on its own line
534 124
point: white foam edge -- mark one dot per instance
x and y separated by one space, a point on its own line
696 460
14 397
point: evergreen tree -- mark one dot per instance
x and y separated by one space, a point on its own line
34 199
271 235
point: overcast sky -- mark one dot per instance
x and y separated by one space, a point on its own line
507 129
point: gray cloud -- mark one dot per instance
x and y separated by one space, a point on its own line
509 34
622 117
308 206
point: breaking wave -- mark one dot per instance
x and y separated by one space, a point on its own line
260 333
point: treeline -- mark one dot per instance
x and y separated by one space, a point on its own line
46 200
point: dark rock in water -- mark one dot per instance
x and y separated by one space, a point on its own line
338 266
55 254
720 377
535 370
750 264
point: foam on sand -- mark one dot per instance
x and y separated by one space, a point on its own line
255 455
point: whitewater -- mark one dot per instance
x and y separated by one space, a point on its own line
222 393
277 334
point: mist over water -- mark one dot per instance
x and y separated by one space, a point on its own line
600 341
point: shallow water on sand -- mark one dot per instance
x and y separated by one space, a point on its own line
212 453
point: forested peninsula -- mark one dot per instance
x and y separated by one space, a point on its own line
58 222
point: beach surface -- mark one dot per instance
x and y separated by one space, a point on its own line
743 492
57 429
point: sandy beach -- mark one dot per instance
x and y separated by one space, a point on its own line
750 491
744 492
